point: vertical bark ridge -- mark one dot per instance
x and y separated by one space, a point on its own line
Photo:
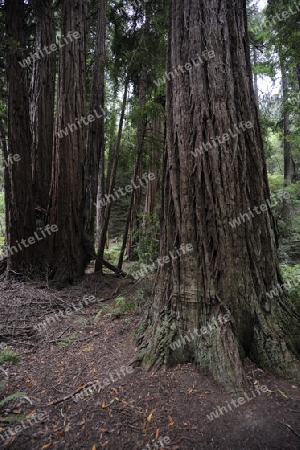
230 269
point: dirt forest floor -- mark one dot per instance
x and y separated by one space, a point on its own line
125 408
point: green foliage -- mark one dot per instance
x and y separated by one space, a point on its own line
11 417
148 238
291 276
11 397
8 355
121 307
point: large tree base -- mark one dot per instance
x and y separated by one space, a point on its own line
220 349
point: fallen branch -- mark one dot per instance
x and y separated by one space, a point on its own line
111 267
66 397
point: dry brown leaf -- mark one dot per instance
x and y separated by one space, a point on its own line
30 413
105 444
16 411
171 423
157 433
94 447
46 446
79 387
149 418
102 430
60 433
114 390
103 406
67 428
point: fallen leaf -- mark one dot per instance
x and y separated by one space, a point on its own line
60 433
79 387
294 387
67 428
282 393
171 423
94 447
16 411
157 434
103 406
46 445
105 444
29 414
114 390
149 418
102 430
202 395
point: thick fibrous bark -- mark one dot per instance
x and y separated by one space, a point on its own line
231 268
67 255
18 181
42 102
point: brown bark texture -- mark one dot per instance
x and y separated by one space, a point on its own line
231 269
67 253
17 175
42 92
94 166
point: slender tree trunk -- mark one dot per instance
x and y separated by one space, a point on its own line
231 267
18 179
42 91
67 253
134 222
298 74
109 196
255 76
286 128
95 145
129 216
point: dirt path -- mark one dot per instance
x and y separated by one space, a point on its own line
126 408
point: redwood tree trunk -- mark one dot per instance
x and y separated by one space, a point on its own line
18 181
42 102
230 269
67 254
94 165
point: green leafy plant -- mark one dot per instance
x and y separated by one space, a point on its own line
10 417
122 306
147 237
291 275
8 355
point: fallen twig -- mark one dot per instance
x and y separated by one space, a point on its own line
66 397
289 426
